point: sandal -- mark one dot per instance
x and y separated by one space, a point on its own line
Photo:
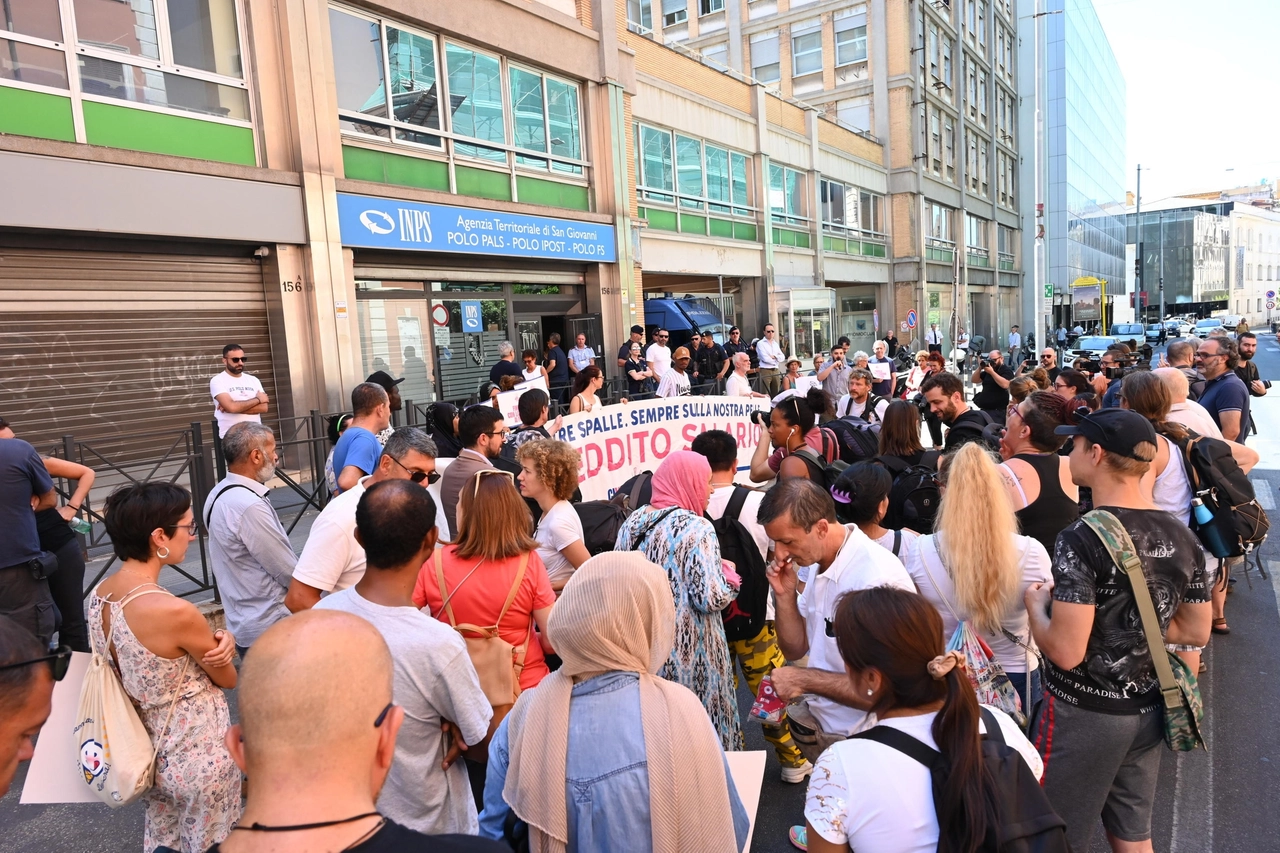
1220 626
799 836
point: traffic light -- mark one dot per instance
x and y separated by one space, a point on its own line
1137 269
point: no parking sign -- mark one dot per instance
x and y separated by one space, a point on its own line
911 319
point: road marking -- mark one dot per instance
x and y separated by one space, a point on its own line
1262 491
1273 349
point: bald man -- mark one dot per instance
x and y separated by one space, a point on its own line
427 789
1185 411
26 696
317 735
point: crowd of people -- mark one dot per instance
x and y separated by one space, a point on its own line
447 665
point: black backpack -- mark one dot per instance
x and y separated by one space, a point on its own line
601 520
858 440
744 618
821 472
1238 523
914 496
1025 822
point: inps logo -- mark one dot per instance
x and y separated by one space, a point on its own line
377 222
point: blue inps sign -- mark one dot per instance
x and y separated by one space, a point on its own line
471 317
384 223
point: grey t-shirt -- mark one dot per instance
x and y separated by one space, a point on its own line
22 475
434 681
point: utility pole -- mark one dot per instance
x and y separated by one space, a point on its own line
1137 263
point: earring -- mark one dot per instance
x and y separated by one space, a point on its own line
870 692
162 553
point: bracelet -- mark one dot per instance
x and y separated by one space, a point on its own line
75 508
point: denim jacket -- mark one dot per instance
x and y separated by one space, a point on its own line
607 784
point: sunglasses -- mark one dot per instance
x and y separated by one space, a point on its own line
59 662
382 718
490 472
240 360
663 337
432 477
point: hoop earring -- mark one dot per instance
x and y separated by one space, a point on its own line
162 553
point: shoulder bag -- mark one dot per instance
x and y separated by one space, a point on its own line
498 663
1183 708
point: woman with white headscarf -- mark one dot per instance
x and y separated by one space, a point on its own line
642 765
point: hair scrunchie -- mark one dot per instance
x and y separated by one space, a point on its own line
944 663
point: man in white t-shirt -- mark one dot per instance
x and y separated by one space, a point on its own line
581 356
855 402
738 384
332 559
675 382
237 396
1189 413
659 354
427 787
800 518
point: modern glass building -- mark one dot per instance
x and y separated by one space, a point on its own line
1084 117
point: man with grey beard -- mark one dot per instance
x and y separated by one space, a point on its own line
250 552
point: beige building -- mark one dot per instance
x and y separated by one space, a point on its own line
935 83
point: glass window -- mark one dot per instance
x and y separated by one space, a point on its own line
124 27
806 53
143 86
833 203
933 49
872 212
39 18
851 45
528 114
689 171
656 166
475 90
708 7
639 16
764 58
411 60
982 22
786 193
674 12
983 166
357 64
718 179
565 121
738 180
26 63
949 147
203 35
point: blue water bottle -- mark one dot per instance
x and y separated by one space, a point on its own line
1201 512
1210 532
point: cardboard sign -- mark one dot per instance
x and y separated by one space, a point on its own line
747 771
54 775
880 372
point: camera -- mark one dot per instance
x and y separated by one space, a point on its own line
984 363
760 417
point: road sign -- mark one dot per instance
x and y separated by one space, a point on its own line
1048 291
440 315
905 327
1271 305
471 323
1271 294
911 319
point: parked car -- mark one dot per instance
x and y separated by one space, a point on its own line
1209 325
1091 347
1157 333
1128 331
1178 328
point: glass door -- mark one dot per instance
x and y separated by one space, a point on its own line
804 321
393 321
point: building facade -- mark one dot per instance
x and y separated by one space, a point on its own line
936 84
1083 115
342 188
1185 247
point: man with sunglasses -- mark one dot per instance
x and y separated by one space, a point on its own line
332 559
26 694
1049 361
237 396
659 354
434 679
482 432
248 547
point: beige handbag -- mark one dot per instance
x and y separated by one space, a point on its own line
498 663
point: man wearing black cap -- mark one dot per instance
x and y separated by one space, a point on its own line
1100 726
391 386
624 351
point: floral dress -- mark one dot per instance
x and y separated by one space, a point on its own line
195 801
685 546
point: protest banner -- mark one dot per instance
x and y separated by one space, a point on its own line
617 442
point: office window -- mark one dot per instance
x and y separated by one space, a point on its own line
971 160
872 213
946 61
764 58
984 166
786 194
657 166
726 181
851 39
674 12
982 22
975 236
700 174
935 141
689 171
949 147
971 7
475 88
940 223
709 7
806 52
982 95
640 16
833 196
933 50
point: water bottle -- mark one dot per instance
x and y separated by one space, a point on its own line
1201 512
1210 532
79 525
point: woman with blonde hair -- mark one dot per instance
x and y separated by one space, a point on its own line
549 476
975 566
1020 387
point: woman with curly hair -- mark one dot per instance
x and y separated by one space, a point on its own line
549 476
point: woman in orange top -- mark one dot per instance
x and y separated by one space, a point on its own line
480 568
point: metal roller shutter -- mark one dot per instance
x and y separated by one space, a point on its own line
116 348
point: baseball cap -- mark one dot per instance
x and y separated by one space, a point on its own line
637 330
381 377
680 353
1116 431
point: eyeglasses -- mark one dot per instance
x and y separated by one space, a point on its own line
240 360
1011 411
59 662
663 337
485 472
193 528
382 718
503 431
416 476
1061 386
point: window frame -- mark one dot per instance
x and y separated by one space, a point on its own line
853 42
700 203
796 55
784 215
704 7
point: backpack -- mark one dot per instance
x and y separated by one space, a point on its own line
857 439
914 496
1237 524
601 520
1025 821
821 472
744 617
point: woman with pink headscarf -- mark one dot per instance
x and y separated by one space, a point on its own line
673 532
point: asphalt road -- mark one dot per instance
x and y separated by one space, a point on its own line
1214 801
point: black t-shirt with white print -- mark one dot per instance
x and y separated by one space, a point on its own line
1117 675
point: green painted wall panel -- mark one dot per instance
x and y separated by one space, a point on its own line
482 183
160 133
364 164
721 228
553 193
663 220
744 231
802 239
36 114
690 224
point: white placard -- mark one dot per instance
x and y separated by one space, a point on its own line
880 371
804 383
539 382
509 405
54 775
747 770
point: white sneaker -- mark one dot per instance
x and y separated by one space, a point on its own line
795 775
